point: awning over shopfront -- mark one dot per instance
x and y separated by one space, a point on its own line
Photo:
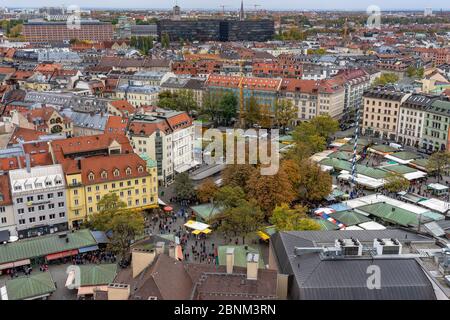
19 263
87 249
59 255
4 236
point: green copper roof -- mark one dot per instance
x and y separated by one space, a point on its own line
392 214
206 211
350 217
150 162
44 245
29 287
97 274
240 255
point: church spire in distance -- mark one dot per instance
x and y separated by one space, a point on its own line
241 12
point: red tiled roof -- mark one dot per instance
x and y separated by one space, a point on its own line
123 106
5 190
109 164
90 143
24 134
116 124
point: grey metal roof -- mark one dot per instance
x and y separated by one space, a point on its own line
316 278
86 120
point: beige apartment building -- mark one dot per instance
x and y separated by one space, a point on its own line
381 112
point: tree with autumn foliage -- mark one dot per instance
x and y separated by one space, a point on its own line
237 175
286 219
285 112
292 169
270 190
206 192
315 184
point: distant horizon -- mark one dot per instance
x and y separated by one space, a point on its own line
226 10
232 5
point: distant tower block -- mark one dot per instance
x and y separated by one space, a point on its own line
428 12
241 12
176 12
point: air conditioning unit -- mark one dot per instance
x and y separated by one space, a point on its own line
349 247
387 246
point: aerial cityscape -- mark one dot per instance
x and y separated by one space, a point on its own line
233 152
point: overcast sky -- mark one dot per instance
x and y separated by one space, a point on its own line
231 4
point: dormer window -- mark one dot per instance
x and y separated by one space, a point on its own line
140 169
91 176
116 172
104 174
128 171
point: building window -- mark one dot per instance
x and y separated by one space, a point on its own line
104 174
128 171
60 204
62 214
116 172
3 219
40 197
19 200
32 219
51 206
41 218
2 209
50 195
29 199
140 169
21 221
41 207
91 176
20 211
89 189
31 209
97 188
51 216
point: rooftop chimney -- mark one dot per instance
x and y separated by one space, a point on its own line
141 259
230 260
28 162
252 266
282 286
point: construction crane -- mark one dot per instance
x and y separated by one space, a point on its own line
223 8
5 105
256 8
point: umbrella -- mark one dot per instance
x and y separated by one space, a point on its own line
168 209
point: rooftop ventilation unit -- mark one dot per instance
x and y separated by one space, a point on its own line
349 247
387 246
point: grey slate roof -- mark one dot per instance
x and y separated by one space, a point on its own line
345 279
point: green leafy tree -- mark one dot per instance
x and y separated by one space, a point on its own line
395 182
184 187
243 219
228 107
165 41
230 196
439 163
125 224
253 113
386 78
210 107
285 113
287 219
